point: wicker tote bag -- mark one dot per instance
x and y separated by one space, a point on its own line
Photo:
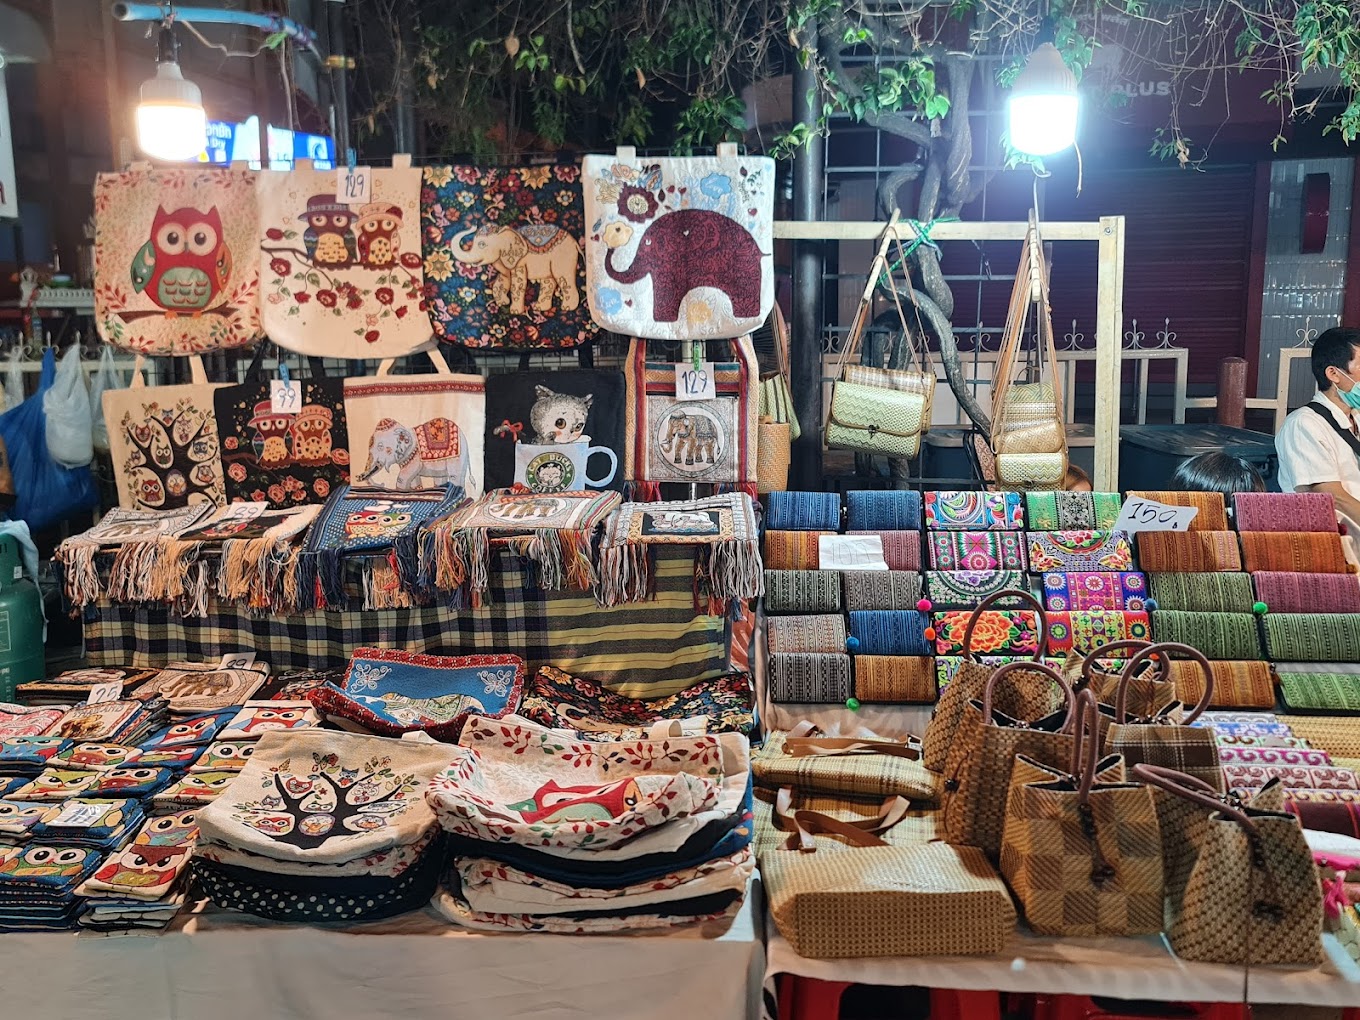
808 762
880 410
1146 695
1101 837
983 753
1252 896
1028 435
776 399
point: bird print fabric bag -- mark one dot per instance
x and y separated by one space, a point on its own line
503 265
679 249
337 280
174 260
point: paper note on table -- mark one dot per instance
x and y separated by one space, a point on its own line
851 552
1139 514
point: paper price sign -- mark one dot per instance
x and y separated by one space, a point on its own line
285 397
100 693
694 382
354 186
1148 515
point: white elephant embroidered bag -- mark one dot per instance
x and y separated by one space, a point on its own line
503 265
680 249
338 280
417 431
174 260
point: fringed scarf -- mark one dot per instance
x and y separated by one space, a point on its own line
126 530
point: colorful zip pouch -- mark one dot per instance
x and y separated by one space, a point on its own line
964 589
1284 511
1222 592
1311 552
1188 551
1217 635
1076 551
976 550
1293 592
1088 591
1086 632
974 511
1072 511
1312 637
998 632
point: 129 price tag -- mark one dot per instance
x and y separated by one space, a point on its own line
354 186
285 397
1148 515
694 383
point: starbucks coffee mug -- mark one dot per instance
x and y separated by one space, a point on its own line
560 467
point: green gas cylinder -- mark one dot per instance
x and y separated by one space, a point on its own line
21 623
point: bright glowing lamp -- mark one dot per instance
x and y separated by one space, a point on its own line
1042 109
171 124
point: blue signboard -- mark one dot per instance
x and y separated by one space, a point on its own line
228 142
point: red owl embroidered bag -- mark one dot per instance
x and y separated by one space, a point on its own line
679 249
175 270
164 444
340 280
282 453
503 265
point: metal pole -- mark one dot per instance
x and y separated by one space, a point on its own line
406 115
299 33
805 356
337 62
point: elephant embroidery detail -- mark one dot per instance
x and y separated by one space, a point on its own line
433 450
687 249
690 438
537 253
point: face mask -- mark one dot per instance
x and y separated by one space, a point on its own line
1350 397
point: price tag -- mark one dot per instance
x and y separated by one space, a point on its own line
851 552
237 660
354 185
695 382
79 816
100 693
285 396
1148 515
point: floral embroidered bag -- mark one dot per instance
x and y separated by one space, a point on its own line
503 265
337 280
174 260
680 248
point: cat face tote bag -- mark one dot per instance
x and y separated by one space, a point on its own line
417 431
339 280
679 249
164 443
503 262
174 260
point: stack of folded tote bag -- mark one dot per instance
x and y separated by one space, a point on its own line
142 886
552 833
324 826
38 883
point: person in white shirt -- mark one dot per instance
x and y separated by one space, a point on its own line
1319 444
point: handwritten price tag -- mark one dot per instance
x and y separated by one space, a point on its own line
354 186
100 693
1149 515
694 383
285 397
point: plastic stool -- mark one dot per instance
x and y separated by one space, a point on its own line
802 998
1082 1007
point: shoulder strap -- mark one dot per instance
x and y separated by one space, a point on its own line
1330 419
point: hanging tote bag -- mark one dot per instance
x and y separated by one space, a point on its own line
1252 896
340 280
680 249
503 265
880 410
417 431
673 440
164 444
175 270
1029 437
776 399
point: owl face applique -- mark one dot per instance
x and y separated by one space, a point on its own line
96 757
129 782
197 788
18 819
168 830
259 717
226 756
199 729
31 750
39 862
144 866
185 264
53 785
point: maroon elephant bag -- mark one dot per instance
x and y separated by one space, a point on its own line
679 248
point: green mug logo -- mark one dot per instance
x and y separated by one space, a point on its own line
550 472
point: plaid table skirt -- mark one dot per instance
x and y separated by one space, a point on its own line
644 649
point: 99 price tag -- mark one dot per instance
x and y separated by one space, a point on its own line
354 185
285 397
695 382
1148 515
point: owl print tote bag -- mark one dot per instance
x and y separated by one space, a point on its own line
175 270
680 249
338 280
503 264
163 440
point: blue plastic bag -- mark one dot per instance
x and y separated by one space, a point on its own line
46 492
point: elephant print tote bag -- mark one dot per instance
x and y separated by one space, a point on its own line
337 280
503 264
163 440
174 260
680 249
417 431
674 440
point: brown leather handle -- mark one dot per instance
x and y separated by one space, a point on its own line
1165 648
1188 787
1089 662
804 824
1033 667
982 606
806 747
1087 737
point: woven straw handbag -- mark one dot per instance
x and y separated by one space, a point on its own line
1028 435
983 753
1027 696
776 399
881 410
1146 695
1160 740
1100 836
1252 896
807 762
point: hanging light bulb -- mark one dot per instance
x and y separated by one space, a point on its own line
1042 109
171 123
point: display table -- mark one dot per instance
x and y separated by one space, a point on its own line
219 964
1120 968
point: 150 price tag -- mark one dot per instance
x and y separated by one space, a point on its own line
1148 515
285 397
354 185
694 382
